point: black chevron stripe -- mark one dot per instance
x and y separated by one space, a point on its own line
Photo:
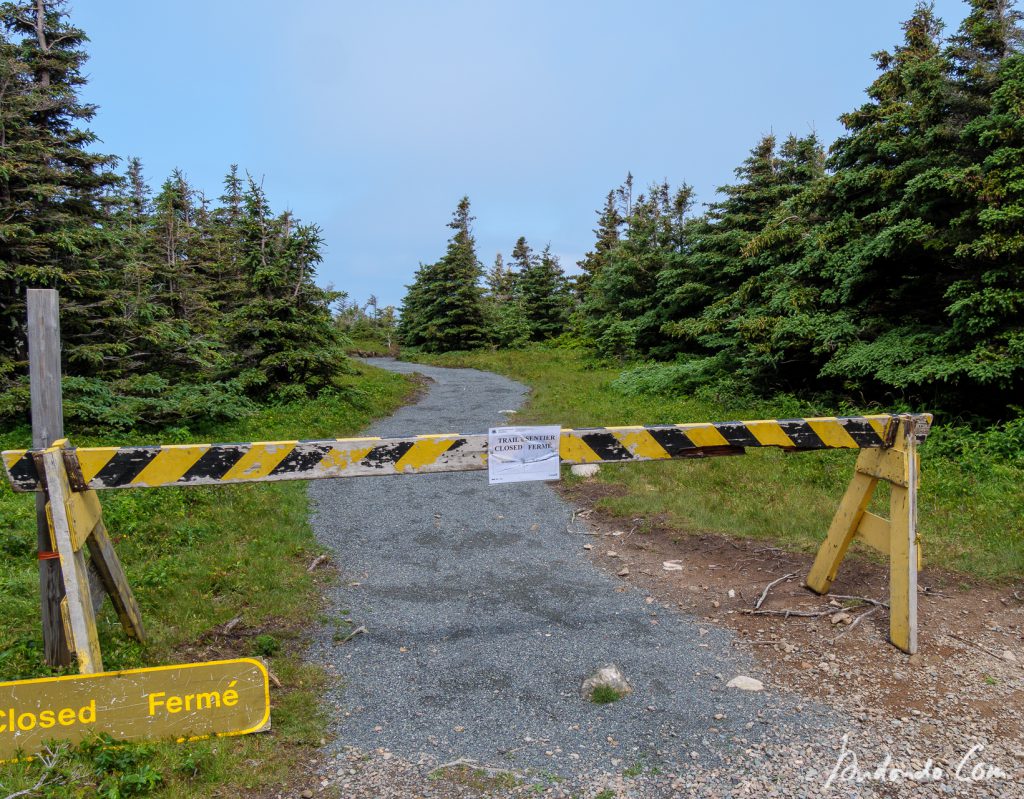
386 454
216 462
126 465
606 446
23 473
862 432
737 434
304 457
801 433
673 440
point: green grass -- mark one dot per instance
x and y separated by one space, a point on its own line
971 515
197 558
604 695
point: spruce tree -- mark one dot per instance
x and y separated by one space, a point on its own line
503 311
622 303
542 294
443 310
609 221
53 231
282 337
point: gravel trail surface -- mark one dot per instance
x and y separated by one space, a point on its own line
483 616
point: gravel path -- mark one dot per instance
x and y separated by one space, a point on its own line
484 615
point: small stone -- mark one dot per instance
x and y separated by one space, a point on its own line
307 794
744 683
732 594
1009 656
841 618
585 469
715 603
610 676
719 716
588 546
623 572
611 553
672 565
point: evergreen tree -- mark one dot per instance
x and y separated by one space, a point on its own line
282 337
52 188
501 281
443 309
984 344
622 303
607 237
708 296
542 295
503 311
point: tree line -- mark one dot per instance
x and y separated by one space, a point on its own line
887 269
174 305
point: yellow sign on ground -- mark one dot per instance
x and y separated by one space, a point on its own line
225 697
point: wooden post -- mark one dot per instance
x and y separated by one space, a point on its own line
896 536
903 554
47 427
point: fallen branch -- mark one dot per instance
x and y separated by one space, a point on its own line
491 771
49 762
360 630
274 679
321 559
811 614
772 584
855 622
864 599
986 650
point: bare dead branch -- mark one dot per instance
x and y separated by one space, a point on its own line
772 584
491 771
855 622
866 600
811 614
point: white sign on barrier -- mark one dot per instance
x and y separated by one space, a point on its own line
517 454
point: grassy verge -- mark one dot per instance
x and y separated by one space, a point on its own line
971 508
197 558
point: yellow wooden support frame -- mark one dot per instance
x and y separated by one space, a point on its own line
76 525
896 536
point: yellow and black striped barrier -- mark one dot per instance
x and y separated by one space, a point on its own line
70 477
100 468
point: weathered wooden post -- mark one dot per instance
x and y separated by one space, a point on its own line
47 427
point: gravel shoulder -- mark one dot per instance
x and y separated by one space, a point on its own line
483 614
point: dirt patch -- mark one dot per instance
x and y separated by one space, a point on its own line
970 665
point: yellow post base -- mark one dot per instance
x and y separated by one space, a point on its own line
76 524
896 536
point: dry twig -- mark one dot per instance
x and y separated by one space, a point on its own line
811 614
49 761
772 584
984 649
468 762
854 623
360 630
864 599
320 560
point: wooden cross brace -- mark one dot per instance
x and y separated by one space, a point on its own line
76 524
896 536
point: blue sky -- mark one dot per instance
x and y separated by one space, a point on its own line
373 119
